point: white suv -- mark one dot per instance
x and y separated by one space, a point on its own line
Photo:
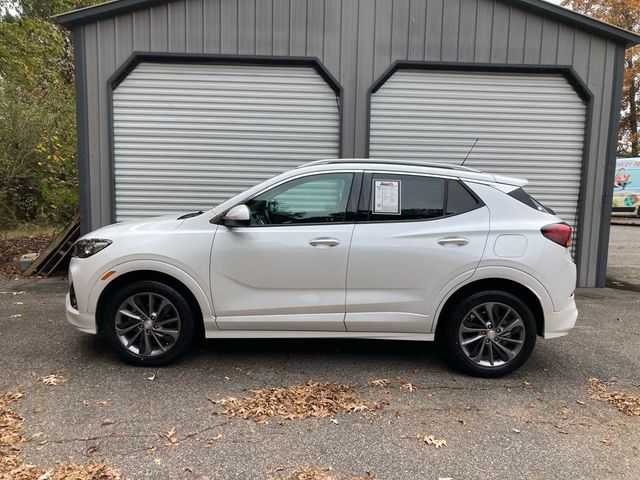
338 249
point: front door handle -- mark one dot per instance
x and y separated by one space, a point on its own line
324 242
453 241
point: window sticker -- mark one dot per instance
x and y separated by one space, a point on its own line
386 197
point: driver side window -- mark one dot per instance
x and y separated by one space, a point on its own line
313 199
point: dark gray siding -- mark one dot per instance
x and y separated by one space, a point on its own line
357 40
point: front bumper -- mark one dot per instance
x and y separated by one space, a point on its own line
85 322
558 324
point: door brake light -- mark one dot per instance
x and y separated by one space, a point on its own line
559 233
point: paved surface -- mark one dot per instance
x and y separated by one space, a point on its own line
537 424
623 268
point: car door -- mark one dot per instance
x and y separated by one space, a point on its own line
287 269
414 234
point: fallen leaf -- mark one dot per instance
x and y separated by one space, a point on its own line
515 430
626 403
381 382
606 441
170 436
437 442
580 402
103 403
53 380
107 421
212 440
297 402
92 449
407 386
17 315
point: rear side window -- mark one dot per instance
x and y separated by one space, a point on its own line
406 197
459 198
522 196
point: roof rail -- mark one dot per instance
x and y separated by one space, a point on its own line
447 166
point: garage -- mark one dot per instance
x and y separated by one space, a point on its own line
187 137
528 125
183 103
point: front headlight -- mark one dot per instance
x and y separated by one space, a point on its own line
90 246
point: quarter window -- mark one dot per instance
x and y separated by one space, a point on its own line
459 199
313 199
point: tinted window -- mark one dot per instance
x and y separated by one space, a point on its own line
416 197
313 199
459 199
522 196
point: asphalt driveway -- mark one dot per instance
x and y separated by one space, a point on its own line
537 423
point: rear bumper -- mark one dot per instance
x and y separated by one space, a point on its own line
558 324
85 322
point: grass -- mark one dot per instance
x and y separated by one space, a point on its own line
30 230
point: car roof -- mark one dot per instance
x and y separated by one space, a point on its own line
400 166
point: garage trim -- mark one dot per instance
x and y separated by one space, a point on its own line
208 59
566 71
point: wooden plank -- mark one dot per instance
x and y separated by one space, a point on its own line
54 246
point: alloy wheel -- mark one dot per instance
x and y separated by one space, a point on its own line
492 334
147 324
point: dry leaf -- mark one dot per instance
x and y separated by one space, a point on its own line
212 440
626 403
107 421
606 441
437 442
407 386
297 402
12 466
103 403
381 382
515 430
170 436
17 315
53 380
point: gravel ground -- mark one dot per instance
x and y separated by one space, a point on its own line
537 423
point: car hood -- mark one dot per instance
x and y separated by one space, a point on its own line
166 223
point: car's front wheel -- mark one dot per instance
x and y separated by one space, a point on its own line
149 323
490 334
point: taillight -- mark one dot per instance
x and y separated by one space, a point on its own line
559 233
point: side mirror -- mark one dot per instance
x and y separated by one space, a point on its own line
238 216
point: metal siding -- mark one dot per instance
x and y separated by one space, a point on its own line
343 45
529 126
187 137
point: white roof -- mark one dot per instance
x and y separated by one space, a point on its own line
440 169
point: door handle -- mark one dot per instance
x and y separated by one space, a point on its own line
453 241
324 242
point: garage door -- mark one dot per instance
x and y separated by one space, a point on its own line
527 125
187 137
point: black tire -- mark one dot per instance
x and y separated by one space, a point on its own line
451 334
179 342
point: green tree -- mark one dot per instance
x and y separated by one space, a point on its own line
625 14
38 173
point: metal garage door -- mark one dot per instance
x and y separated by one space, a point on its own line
188 136
528 125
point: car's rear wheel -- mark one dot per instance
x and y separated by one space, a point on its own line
149 323
490 334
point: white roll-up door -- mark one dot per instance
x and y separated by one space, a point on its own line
527 125
189 136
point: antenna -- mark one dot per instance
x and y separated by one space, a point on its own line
470 150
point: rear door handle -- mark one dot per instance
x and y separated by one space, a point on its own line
453 241
324 242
